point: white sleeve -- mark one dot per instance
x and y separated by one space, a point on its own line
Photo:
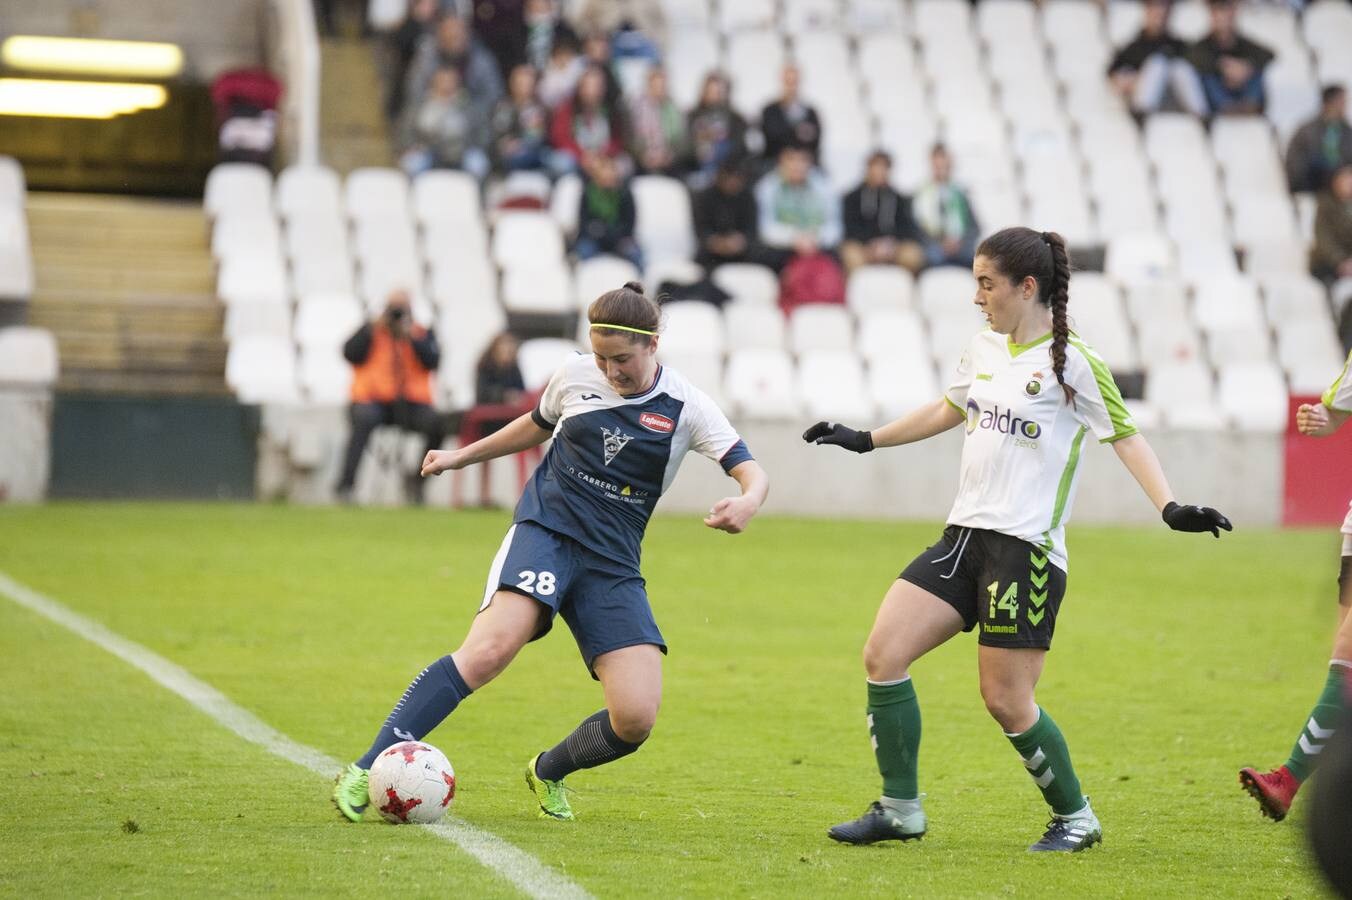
1098 403
1339 395
711 434
550 408
956 393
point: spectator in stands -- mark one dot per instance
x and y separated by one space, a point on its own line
443 130
596 52
453 45
520 125
1331 258
403 44
585 128
879 227
1230 65
544 30
499 397
725 219
1144 71
607 214
618 18
789 122
798 215
1321 145
944 214
393 359
716 131
500 25
656 128
558 79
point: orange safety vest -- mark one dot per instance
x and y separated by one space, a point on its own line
392 371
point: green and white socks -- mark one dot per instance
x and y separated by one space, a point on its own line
1047 759
894 726
1324 719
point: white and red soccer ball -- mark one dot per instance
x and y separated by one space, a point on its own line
411 782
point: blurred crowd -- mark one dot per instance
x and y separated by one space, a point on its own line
494 87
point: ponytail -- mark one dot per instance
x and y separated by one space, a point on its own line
1057 296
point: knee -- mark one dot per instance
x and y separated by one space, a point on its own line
632 723
1013 709
483 661
880 665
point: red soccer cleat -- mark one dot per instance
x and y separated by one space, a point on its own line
1273 790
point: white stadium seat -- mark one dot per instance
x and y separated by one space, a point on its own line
820 326
1185 394
1293 296
900 384
1238 345
759 384
244 319
755 60
748 283
262 369
753 326
376 192
247 233
316 237
879 287
538 289
947 290
322 274
665 228
464 333
308 190
468 283
831 385
28 356
1254 396
540 358
675 271
445 195
593 277
325 319
565 203
891 333
237 187
1143 256
252 279
691 327
325 376
523 237
13 186
1226 302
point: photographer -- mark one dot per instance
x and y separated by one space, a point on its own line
393 359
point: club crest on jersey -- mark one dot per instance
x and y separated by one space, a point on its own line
1034 386
656 422
614 442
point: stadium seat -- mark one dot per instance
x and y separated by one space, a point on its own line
1157 298
444 240
1138 257
691 54
759 384
237 187
1264 218
748 283
16 257
445 195
746 15
831 385
462 284
1292 94
565 203
900 384
315 237
891 333
1124 19
869 17
684 15
884 59
325 376
593 277
1254 396
540 358
244 319
945 290
1276 256
996 206
755 60
546 288
1185 394
1100 319
326 320
464 333
1168 339
379 276
245 233
322 274
808 18
1202 258
753 326
28 357
252 279
949 337
1008 21
1190 20
691 327
703 370
675 271
1071 22
1238 345
940 18
879 287
1310 343
1293 296
308 190
378 193
665 229
262 369
13 188
522 237
1227 301
820 326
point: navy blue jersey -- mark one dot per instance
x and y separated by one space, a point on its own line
613 456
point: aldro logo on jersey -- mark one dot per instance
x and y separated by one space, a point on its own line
1024 431
614 442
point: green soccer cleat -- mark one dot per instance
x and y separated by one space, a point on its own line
349 792
550 794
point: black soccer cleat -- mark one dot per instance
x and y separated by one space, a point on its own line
1069 836
880 824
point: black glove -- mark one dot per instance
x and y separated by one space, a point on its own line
841 436
1195 518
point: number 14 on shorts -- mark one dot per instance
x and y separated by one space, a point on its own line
539 583
1009 601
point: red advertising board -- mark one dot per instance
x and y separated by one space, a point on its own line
1318 474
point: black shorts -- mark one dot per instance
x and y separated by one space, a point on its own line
1007 586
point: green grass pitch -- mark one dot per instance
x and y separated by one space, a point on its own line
1177 659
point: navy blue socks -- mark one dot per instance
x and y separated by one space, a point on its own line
431 697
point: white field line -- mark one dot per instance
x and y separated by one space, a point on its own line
524 871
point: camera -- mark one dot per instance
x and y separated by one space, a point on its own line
397 313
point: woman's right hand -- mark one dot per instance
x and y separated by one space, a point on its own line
1312 418
438 461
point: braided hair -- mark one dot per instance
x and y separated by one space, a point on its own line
1019 253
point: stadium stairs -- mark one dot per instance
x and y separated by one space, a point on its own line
352 125
127 286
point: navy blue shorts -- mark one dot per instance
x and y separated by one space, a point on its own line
605 603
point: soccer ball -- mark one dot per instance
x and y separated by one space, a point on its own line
411 782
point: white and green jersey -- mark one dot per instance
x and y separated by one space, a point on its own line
1339 399
1022 453
1339 395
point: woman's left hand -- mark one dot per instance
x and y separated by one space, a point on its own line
731 514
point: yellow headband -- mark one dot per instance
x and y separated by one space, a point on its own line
624 328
